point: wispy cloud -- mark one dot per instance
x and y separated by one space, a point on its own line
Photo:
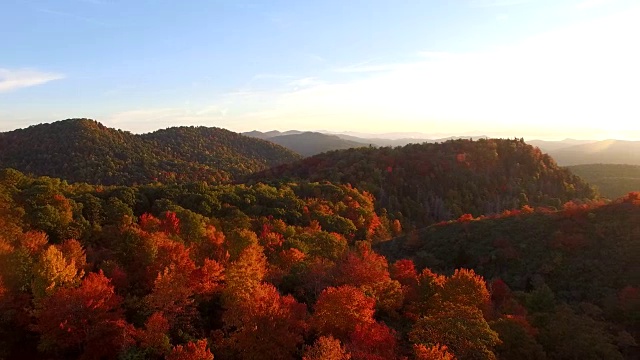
69 15
145 114
315 58
282 20
496 3
528 87
436 55
365 67
590 4
538 87
145 120
305 82
270 76
21 78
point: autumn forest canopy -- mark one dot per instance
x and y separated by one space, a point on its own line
201 243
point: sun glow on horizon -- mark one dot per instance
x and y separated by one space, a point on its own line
582 80
579 81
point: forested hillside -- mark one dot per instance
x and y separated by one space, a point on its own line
420 184
320 262
269 134
611 180
219 149
189 271
584 255
320 180
85 150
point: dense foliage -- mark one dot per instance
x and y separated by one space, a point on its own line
420 184
301 267
86 151
575 271
193 271
612 180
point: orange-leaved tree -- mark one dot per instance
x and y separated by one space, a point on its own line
461 328
374 341
86 321
265 325
435 352
191 351
326 348
369 271
340 310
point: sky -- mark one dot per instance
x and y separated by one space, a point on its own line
544 69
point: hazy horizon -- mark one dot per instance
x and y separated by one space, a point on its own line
545 69
391 135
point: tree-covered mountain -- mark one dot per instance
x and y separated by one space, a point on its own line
269 134
612 180
583 255
420 184
219 149
583 252
289 272
85 150
307 143
315 259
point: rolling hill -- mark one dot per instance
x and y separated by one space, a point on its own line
307 143
551 145
604 152
612 180
420 184
269 134
383 141
575 272
582 252
312 143
83 150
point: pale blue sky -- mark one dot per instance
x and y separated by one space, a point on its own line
537 68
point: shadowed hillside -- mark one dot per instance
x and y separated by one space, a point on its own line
612 180
583 252
85 150
424 183
219 148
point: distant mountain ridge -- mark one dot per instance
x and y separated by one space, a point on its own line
554 145
270 134
606 152
309 143
84 150
566 152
